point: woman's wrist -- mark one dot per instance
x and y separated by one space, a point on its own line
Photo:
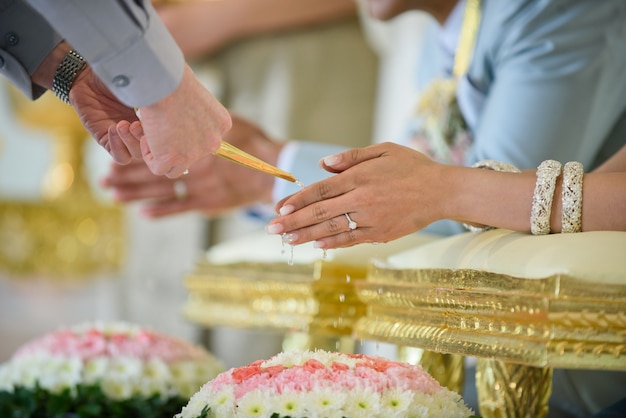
454 194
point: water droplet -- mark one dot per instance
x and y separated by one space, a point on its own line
291 256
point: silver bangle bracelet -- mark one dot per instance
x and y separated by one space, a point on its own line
547 173
572 197
495 166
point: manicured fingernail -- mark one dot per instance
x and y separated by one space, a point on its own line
290 238
274 229
286 210
319 244
332 160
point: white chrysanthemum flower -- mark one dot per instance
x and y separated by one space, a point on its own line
95 369
298 358
289 404
445 404
184 370
124 367
256 404
395 402
106 327
25 371
187 377
60 373
156 369
222 398
418 411
324 403
148 387
195 405
362 403
117 388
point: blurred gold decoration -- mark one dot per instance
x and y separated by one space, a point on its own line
528 325
315 304
70 233
317 298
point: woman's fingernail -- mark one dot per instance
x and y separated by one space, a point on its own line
290 238
319 244
286 210
274 229
332 160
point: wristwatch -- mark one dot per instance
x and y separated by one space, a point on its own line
66 73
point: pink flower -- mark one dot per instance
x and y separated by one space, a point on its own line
327 383
243 373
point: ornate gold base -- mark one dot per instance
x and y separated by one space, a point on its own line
508 390
60 239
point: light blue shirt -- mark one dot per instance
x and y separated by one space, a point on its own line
547 81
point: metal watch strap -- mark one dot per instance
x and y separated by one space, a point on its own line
66 72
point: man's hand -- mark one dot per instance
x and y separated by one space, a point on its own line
213 184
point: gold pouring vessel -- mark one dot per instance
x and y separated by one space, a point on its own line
232 153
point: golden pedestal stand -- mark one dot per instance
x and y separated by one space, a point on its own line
313 301
69 233
519 328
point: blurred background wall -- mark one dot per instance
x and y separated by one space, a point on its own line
45 286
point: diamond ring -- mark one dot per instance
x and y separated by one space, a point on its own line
351 224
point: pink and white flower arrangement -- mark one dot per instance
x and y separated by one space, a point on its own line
321 384
123 361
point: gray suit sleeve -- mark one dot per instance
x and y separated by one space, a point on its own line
25 40
124 41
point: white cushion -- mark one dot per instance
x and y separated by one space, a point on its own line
595 256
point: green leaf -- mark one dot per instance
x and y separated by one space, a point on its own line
88 402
